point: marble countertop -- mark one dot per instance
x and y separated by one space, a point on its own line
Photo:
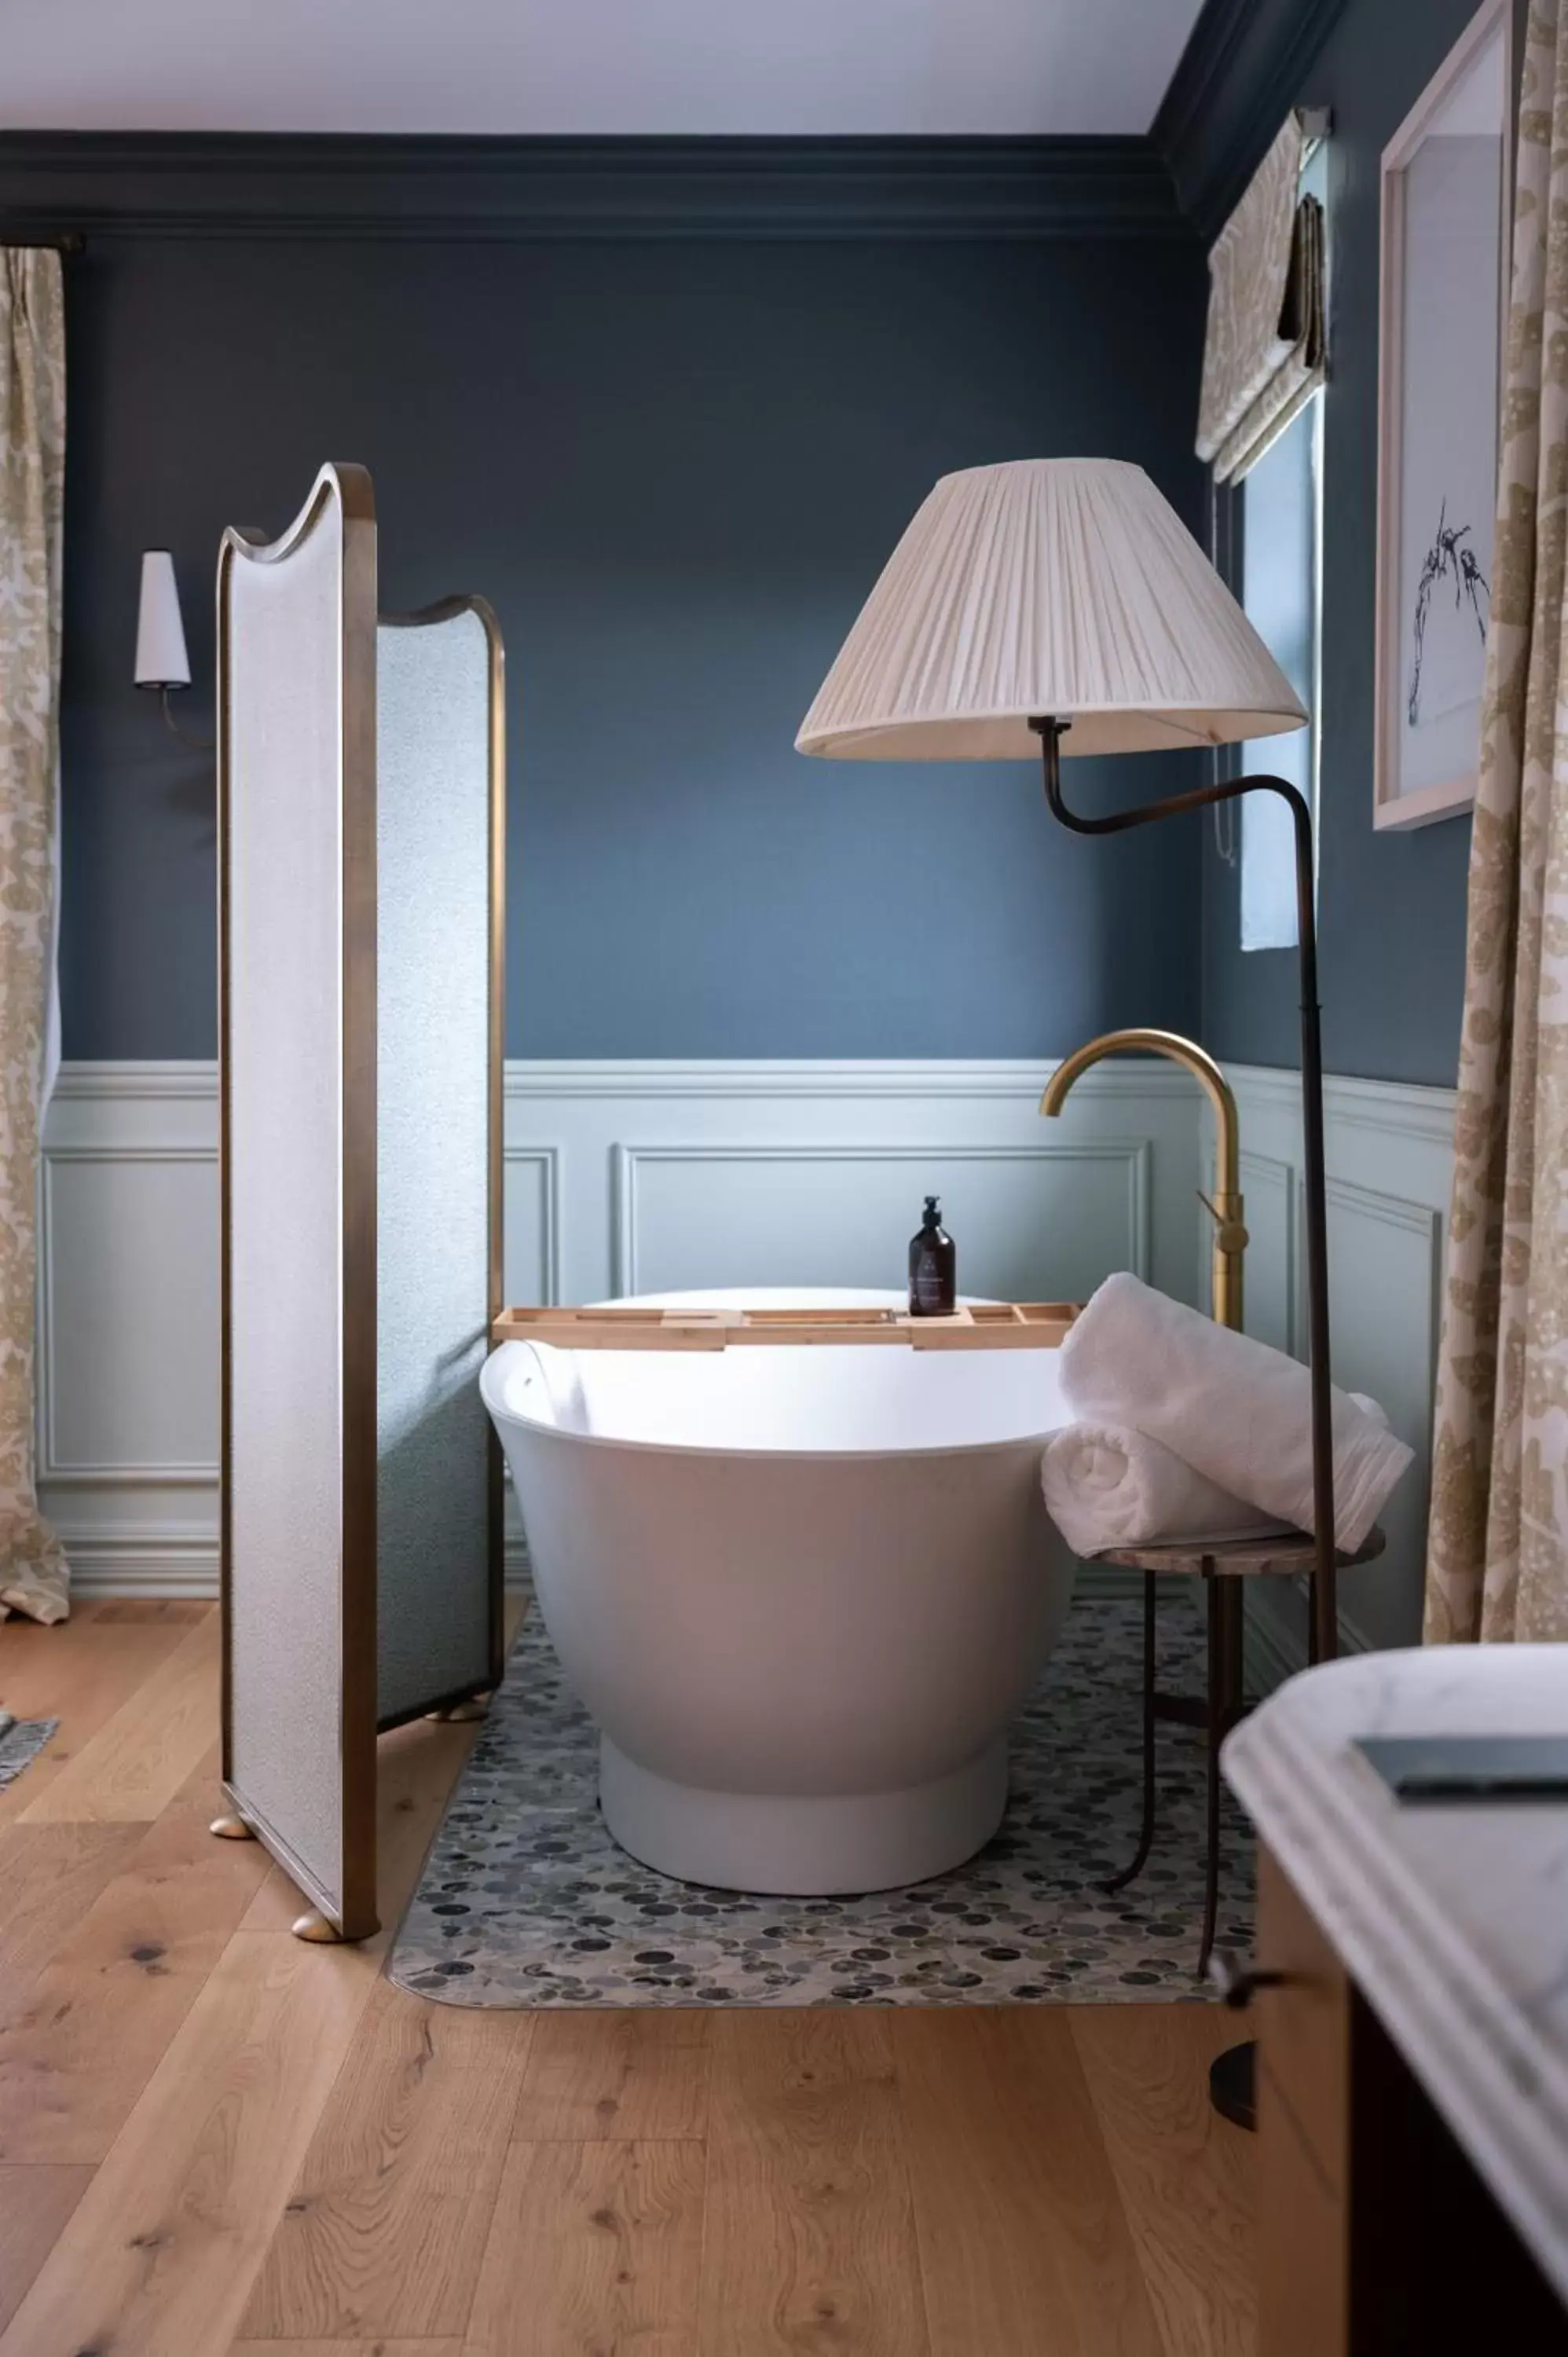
1452 1918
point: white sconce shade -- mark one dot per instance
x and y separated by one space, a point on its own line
1047 588
161 658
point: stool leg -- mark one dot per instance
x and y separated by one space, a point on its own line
1214 1735
1147 1833
1226 1670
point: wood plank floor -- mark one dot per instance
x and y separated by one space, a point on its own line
215 2142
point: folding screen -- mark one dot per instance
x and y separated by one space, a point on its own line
438 1021
361 1160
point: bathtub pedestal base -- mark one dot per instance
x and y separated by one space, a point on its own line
808 1845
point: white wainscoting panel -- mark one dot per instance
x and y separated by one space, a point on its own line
127 1363
617 1175
1390 1156
669 1175
1051 1216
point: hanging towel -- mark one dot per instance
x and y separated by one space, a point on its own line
1233 1409
1108 1486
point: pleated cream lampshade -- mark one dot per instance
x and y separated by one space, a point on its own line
1064 587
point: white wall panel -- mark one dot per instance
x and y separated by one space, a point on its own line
1389 1154
1032 1222
129 1247
739 1140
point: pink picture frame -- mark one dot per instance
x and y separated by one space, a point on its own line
1434 556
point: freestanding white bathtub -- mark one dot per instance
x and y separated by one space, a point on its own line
802 1591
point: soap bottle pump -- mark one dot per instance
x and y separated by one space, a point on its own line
933 1267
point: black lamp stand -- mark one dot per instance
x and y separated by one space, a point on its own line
1231 2075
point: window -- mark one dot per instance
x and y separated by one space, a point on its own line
1280 590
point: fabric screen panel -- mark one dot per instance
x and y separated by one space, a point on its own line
1264 349
439 788
297 646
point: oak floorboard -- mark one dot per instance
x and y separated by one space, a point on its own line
641 2075
809 2241
132 1768
1186 2175
148 1610
80 1672
34 2206
1023 2244
400 2347
593 2247
82 2042
1034 2179
49 1877
160 2254
385 2226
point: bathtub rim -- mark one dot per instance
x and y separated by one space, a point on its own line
500 1413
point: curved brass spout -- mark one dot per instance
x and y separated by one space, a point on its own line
1229 1233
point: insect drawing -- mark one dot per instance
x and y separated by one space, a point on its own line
1446 559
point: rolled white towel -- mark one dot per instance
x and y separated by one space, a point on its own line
1232 1409
1109 1486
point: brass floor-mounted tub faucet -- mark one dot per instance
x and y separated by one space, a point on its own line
1224 1205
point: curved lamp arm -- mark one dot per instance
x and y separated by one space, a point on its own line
1325 1631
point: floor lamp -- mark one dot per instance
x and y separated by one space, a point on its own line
1059 606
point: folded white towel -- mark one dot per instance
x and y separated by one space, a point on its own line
1108 1486
1232 1409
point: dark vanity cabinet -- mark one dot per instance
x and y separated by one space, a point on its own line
1376 2233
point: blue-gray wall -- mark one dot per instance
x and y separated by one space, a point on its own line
1391 906
675 466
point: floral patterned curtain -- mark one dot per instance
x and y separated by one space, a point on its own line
32 492
1498 1553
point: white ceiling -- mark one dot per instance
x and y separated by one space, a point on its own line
586 66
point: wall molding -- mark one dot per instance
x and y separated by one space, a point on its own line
546 1160
1243 68
495 190
141 1561
1392 1108
1131 1160
148 1078
740 1078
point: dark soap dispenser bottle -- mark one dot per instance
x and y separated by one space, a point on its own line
933 1267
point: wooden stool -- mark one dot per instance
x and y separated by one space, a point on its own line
1222 1566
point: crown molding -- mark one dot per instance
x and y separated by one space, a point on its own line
1243 67
499 190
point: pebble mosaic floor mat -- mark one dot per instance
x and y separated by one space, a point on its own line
20 1741
526 1900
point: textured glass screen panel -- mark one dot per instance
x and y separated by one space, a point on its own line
284 882
433 1207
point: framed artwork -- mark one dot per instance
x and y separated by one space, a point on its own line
1446 211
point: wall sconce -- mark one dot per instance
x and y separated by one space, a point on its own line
162 661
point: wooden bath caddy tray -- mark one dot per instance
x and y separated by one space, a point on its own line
990 1326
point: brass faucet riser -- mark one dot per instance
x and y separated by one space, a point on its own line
1224 1205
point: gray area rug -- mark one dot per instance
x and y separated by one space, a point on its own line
526 1901
21 1739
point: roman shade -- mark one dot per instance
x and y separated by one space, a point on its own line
1264 351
